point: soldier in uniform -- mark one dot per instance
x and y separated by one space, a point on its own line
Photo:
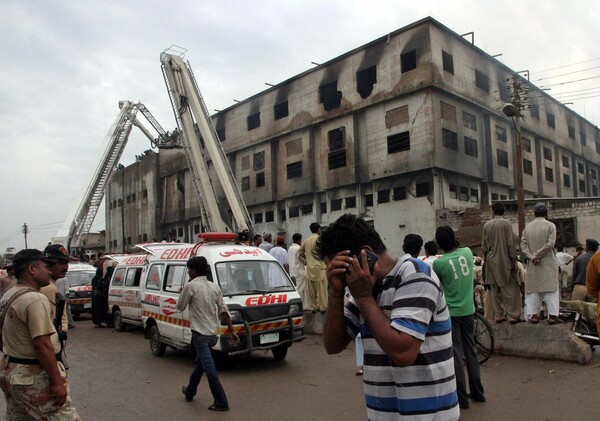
33 381
60 259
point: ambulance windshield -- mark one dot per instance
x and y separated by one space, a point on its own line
80 278
251 277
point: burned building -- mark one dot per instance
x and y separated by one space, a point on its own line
396 130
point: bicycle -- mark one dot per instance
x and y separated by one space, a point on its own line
484 338
580 318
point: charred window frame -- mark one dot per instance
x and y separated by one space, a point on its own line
398 142
399 193
580 168
571 130
448 62
246 183
582 186
464 194
280 110
475 195
450 139
593 174
329 96
526 144
582 138
550 120
494 196
549 174
408 61
547 154
260 179
527 167
294 211
294 170
365 80
323 207
282 215
221 134
471 147
453 190
482 81
196 229
258 218
383 196
336 205
350 202
502 158
258 160
369 199
567 180
469 121
566 234
336 158
253 121
422 189
306 209
269 216
535 111
501 134
598 147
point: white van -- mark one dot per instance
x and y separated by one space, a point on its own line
79 277
266 309
124 291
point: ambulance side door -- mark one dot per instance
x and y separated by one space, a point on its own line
175 276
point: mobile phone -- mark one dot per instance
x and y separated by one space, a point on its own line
371 259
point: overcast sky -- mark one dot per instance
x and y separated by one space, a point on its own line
66 64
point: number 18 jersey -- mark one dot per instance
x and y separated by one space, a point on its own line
455 270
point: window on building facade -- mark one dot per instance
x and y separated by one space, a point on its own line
293 147
306 209
196 228
422 189
582 186
128 198
550 120
482 81
453 189
245 183
350 202
253 121
469 121
494 196
396 117
145 237
245 163
260 179
280 110
221 134
282 215
450 139
571 132
598 147
369 199
471 147
329 96
294 211
408 61
549 174
503 197
365 80
567 180
582 138
474 195
593 173
179 234
502 158
501 134
258 218
259 161
580 168
383 196
269 216
336 157
144 193
526 144
294 170
399 193
448 112
336 204
547 154
527 167
398 142
448 62
535 111
565 161
566 234
132 197
464 193
323 207
595 191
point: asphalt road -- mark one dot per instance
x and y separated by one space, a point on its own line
114 376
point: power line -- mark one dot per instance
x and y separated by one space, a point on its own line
566 65
571 81
566 74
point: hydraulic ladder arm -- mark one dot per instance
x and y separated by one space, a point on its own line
191 113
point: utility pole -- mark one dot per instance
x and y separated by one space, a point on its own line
513 110
25 231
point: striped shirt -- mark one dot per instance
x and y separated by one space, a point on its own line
425 390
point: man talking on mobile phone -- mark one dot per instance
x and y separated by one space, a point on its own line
401 314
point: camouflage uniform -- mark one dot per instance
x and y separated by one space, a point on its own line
28 394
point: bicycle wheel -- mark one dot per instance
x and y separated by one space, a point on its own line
484 338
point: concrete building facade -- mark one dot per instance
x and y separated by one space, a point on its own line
397 130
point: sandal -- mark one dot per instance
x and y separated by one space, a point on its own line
500 319
534 319
218 408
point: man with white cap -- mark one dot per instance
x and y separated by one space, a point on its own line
267 244
537 243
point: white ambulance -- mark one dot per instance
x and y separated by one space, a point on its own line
79 277
124 302
266 309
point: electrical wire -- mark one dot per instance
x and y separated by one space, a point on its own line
566 65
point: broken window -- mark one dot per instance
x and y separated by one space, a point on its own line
330 97
399 193
469 121
593 173
336 157
535 111
567 180
282 215
269 216
323 207
422 189
306 209
550 120
453 189
294 211
253 121
448 112
549 174
527 166
408 61
448 62
258 218
245 183
501 134
350 202
260 179
369 199
383 196
280 110
547 154
526 144
294 170
582 186
450 139
474 195
582 138
482 81
471 147
580 168
336 205
221 134
464 193
259 160
571 132
502 158
398 142
597 147
494 196
365 79
145 193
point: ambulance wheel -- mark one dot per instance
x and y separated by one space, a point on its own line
280 352
118 321
156 346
